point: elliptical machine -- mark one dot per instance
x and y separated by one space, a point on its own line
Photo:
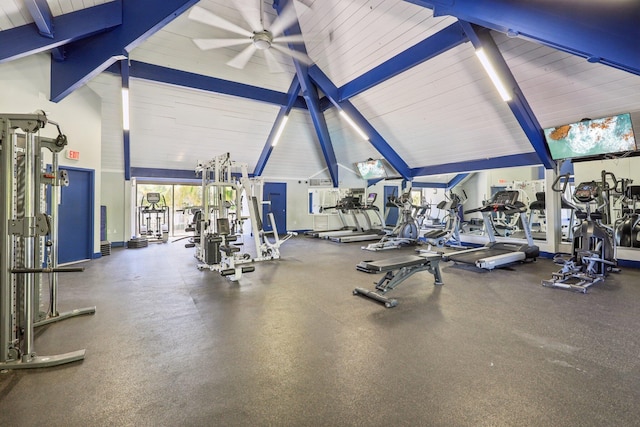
593 254
405 233
449 235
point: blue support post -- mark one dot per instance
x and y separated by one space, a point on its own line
293 91
41 14
310 95
330 90
481 39
126 142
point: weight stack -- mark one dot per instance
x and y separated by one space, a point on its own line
137 242
212 255
105 248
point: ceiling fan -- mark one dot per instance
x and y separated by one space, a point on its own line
258 38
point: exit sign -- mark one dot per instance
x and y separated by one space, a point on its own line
73 155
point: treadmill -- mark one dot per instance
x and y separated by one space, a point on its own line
346 205
497 254
364 232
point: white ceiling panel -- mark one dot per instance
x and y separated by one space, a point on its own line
563 88
298 154
348 38
443 111
174 127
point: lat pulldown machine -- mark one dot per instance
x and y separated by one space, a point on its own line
23 227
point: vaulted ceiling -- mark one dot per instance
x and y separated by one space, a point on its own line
404 71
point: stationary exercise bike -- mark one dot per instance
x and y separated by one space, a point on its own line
593 254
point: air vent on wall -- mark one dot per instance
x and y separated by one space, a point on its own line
318 182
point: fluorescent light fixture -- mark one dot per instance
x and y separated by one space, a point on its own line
354 125
125 108
493 75
280 130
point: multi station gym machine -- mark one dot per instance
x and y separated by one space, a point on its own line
29 236
220 222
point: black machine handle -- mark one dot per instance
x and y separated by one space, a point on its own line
47 270
605 183
558 181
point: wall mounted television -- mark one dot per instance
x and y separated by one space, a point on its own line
371 169
589 138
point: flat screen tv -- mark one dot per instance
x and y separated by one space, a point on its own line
591 137
371 169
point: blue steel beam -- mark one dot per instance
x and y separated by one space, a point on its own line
41 14
481 38
415 184
601 31
331 92
89 57
440 42
525 159
311 97
293 91
457 180
23 41
160 74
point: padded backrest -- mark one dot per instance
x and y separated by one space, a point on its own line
223 226
633 192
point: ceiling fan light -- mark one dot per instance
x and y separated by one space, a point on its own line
262 40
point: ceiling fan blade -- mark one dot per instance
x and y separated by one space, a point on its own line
272 62
284 20
243 57
200 14
206 44
293 53
294 38
252 17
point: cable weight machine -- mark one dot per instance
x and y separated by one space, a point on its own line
23 227
220 224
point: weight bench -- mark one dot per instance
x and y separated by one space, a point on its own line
397 269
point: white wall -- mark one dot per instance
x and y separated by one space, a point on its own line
24 88
114 197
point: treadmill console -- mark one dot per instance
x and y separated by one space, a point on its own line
586 192
505 197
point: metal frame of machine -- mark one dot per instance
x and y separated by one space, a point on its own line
219 224
496 254
23 227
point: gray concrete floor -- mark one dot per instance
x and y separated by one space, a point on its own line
290 345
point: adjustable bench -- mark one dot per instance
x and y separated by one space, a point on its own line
397 269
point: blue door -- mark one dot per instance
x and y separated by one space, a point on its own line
392 212
75 216
276 194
